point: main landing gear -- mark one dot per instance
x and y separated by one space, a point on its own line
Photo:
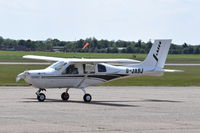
87 97
65 95
41 96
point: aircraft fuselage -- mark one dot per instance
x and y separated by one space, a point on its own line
82 77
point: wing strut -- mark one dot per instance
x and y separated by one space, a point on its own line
86 76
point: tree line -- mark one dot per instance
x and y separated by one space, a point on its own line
96 46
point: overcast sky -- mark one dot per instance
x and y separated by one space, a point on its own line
104 19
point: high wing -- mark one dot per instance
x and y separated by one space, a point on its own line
46 58
82 60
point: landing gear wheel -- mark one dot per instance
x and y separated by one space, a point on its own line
87 98
41 97
65 96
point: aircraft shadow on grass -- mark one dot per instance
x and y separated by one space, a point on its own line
114 103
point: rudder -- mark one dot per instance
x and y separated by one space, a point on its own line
158 54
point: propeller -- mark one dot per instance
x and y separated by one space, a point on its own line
21 76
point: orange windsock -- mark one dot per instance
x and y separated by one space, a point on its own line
86 45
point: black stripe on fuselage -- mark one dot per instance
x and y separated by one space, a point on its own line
104 77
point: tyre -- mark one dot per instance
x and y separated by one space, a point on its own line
65 96
41 97
87 97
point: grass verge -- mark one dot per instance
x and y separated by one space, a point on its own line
190 77
16 56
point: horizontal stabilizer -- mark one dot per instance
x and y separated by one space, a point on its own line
171 71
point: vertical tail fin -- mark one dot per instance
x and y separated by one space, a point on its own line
157 55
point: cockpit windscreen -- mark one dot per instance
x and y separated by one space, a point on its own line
58 65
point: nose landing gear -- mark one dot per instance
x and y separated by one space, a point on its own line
41 96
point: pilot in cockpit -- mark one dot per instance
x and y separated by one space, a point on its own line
71 69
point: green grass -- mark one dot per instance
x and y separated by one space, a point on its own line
8 73
191 77
16 56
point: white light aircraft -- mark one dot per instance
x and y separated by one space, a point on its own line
81 73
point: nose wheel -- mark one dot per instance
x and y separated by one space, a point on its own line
41 96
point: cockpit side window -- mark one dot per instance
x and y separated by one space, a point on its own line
71 69
88 68
101 68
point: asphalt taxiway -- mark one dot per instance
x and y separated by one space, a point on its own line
113 110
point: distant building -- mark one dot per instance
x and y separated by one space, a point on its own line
58 48
121 48
8 49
